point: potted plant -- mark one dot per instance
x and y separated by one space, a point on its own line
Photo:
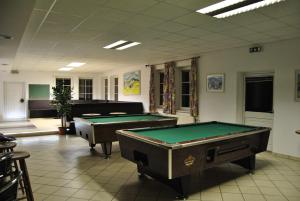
61 99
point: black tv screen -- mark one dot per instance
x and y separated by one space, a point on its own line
259 94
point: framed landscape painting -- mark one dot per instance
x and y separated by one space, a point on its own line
215 83
132 83
297 87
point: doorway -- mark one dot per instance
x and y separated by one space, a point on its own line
258 101
14 101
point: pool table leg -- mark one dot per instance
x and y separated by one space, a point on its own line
181 185
248 163
106 148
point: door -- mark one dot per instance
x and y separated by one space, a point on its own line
14 101
258 102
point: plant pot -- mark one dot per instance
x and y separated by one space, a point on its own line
62 130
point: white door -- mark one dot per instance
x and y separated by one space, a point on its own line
259 92
14 101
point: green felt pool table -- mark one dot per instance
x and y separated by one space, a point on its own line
102 129
172 154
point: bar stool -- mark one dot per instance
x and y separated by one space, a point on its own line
7 146
19 157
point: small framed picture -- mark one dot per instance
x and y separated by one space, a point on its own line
215 83
297 85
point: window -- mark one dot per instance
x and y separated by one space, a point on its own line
65 82
185 88
161 88
116 91
85 89
106 89
259 94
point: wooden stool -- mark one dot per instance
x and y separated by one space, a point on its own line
20 156
7 146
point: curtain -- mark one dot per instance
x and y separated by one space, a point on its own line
152 105
194 89
169 88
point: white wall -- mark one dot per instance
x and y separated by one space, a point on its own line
46 78
282 58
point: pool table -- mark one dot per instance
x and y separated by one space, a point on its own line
102 129
172 154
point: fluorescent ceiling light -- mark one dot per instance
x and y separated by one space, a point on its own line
75 64
65 69
218 6
120 42
233 7
248 8
128 46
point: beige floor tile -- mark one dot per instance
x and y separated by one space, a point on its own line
211 196
47 189
40 197
76 199
269 191
275 198
293 198
232 197
84 194
230 189
249 190
253 197
62 191
103 196
56 198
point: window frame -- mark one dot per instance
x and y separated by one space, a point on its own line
179 88
85 86
105 88
116 86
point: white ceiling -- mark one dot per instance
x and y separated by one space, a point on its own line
62 31
14 16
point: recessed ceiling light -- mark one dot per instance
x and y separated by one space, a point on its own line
65 69
75 64
7 37
128 46
120 42
233 7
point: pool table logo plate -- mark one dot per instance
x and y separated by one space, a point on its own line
189 161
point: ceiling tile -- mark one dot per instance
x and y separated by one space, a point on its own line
82 8
130 5
192 4
144 21
171 27
165 11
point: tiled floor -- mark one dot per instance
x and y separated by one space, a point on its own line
35 126
63 168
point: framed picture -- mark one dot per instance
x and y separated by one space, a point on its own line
297 85
215 83
132 83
